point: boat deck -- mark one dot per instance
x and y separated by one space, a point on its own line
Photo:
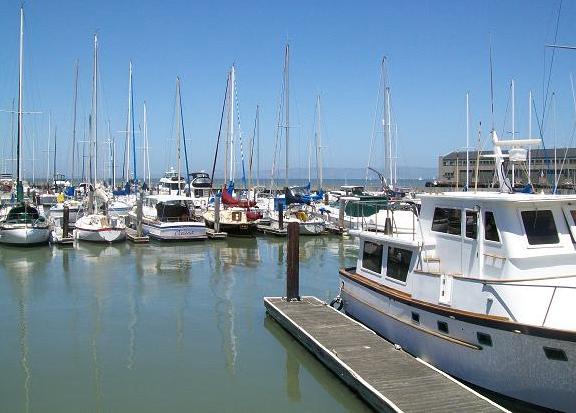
387 378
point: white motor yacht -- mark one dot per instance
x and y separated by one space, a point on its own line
483 288
170 218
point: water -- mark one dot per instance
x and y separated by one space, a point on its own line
162 327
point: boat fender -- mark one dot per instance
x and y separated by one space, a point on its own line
337 303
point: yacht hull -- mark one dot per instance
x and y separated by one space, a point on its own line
178 231
24 235
514 363
106 235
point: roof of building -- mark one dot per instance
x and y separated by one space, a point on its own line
535 153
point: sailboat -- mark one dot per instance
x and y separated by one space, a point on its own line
236 219
23 224
97 227
296 210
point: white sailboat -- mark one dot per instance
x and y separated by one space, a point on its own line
22 224
97 227
483 288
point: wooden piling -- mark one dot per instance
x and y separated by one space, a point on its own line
65 221
293 262
341 213
139 215
280 216
217 213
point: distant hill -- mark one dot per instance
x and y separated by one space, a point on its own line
404 172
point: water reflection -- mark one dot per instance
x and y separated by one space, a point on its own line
23 329
296 357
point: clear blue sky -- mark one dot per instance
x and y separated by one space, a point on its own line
437 51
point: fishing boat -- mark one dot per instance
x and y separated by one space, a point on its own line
22 224
170 218
483 288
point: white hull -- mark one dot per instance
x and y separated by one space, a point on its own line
310 227
24 235
514 365
107 235
174 231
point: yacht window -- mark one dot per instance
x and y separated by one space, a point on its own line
443 326
540 227
471 224
447 220
372 257
415 317
398 263
555 354
484 339
490 229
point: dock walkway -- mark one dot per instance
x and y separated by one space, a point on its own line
387 378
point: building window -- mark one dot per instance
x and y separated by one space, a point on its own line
490 229
398 263
372 257
540 227
471 224
447 220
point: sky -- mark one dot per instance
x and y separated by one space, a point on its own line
437 51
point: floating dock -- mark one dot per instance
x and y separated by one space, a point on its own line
387 378
211 234
132 236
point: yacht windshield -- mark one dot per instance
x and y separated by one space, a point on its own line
540 227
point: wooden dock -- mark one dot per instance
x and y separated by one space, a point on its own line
387 378
268 230
212 234
132 235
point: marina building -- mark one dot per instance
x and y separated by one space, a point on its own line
546 164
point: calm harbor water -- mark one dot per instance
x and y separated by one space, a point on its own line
162 327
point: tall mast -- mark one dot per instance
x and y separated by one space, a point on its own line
74 121
467 143
146 148
132 127
126 171
178 132
319 143
513 129
287 103
231 121
530 137
48 147
386 122
257 145
19 187
94 145
54 165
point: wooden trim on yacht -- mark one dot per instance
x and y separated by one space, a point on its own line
424 329
484 320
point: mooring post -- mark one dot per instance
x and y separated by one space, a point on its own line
326 198
139 215
65 221
293 264
217 213
280 215
341 213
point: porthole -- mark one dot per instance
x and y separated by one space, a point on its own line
443 327
484 339
415 317
555 354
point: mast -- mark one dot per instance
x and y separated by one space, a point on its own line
146 148
74 122
387 130
94 144
132 127
54 165
48 147
530 137
184 142
19 186
178 132
257 145
287 103
319 143
231 122
467 142
513 130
